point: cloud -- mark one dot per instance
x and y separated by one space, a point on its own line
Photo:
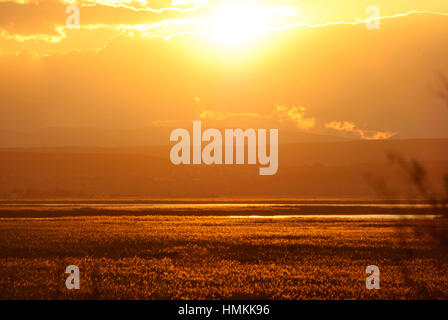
34 21
214 115
188 2
280 115
143 5
20 1
296 114
348 126
35 37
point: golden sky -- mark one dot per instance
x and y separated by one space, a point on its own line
310 66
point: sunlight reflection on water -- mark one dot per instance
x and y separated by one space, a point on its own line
214 205
347 211
339 216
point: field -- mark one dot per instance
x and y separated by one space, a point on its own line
228 252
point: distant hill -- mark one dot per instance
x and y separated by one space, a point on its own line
362 151
96 137
351 169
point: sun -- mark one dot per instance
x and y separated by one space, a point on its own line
244 23
236 25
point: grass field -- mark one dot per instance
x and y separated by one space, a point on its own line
131 256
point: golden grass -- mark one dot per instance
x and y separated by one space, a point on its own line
193 257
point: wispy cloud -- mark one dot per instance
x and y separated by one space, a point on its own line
214 115
163 20
142 5
296 114
358 21
20 1
58 37
188 2
351 127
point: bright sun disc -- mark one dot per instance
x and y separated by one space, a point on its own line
237 25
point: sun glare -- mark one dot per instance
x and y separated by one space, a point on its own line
236 25
240 24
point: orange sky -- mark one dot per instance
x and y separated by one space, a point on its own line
310 66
